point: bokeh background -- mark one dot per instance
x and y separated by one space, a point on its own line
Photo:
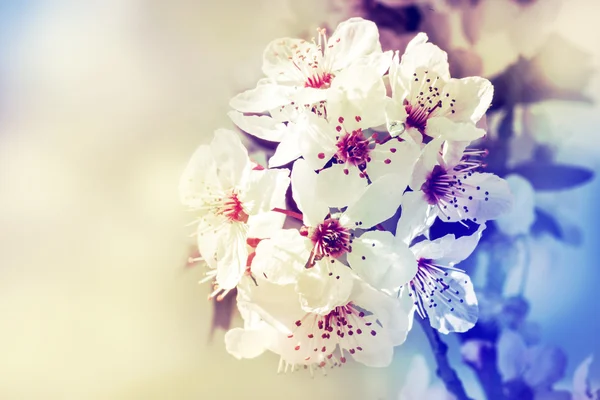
103 102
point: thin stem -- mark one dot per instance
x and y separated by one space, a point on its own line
444 370
289 213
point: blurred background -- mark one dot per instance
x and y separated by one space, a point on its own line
103 102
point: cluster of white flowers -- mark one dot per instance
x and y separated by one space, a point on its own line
367 132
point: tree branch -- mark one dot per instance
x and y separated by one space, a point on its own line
444 370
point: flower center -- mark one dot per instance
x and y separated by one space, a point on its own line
428 287
231 207
428 98
353 148
438 185
316 336
330 239
320 80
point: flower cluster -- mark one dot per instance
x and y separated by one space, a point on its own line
366 133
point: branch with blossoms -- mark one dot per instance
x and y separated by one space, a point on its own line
368 133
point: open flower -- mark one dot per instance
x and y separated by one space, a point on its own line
428 102
439 290
317 257
447 184
342 139
301 71
232 201
366 326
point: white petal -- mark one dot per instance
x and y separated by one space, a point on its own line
522 213
304 185
351 40
381 261
421 55
232 256
477 188
380 61
581 382
473 97
278 64
308 96
454 307
265 190
208 238
288 150
338 189
323 287
393 157
448 250
445 128
199 178
357 91
262 98
265 225
249 343
277 305
425 164
316 140
281 258
262 126
416 217
378 202
231 157
390 330
452 152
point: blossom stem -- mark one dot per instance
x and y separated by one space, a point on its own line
444 371
289 213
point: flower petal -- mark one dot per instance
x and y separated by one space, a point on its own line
377 203
338 189
278 62
394 156
262 126
281 258
288 150
357 91
265 190
452 308
420 54
416 217
390 330
485 197
231 157
304 185
381 261
581 380
323 287
352 39
316 140
249 343
262 98
199 176
265 225
445 128
232 256
208 238
473 97
448 250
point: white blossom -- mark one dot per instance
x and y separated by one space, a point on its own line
232 201
429 102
